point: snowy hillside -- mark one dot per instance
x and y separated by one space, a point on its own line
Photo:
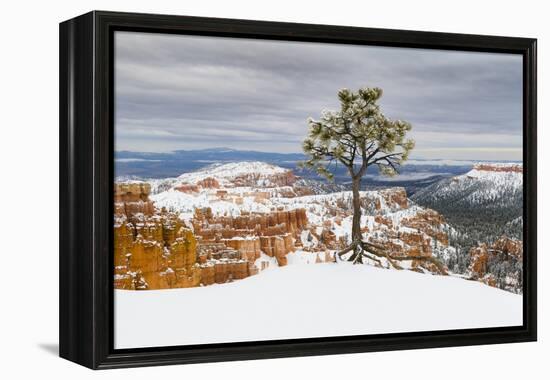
494 188
300 301
489 197
482 206
227 173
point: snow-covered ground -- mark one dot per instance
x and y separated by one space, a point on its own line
301 301
229 171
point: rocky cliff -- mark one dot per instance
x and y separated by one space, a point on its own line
389 220
499 168
154 249
481 205
272 233
498 264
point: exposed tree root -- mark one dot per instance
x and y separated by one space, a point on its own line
349 248
432 260
372 251
370 257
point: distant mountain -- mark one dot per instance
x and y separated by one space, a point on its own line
173 164
415 175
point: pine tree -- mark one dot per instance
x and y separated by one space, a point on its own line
358 136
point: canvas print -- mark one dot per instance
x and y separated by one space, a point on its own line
270 190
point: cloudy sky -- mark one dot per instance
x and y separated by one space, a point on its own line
185 92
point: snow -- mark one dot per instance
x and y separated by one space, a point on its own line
303 258
498 177
186 203
225 172
303 301
315 205
476 187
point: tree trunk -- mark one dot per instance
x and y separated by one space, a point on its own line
356 236
356 226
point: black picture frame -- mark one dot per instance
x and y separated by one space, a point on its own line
86 189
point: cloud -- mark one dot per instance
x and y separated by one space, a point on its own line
185 92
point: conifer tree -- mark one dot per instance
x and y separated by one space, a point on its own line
358 136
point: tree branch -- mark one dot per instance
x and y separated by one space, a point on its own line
389 163
386 156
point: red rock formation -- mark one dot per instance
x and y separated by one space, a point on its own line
415 239
273 180
301 191
132 199
430 222
383 220
329 257
479 257
152 250
509 246
250 233
209 183
221 194
249 248
187 188
395 197
252 269
208 274
503 249
511 168
328 239
277 246
132 192
293 220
